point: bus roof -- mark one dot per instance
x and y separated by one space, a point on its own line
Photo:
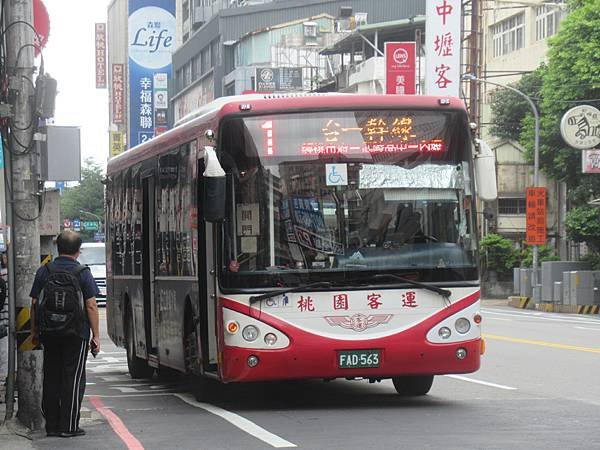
191 125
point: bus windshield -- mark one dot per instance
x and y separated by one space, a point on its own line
332 196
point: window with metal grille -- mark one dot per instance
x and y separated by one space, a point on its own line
511 206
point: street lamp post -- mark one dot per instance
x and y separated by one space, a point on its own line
96 216
536 154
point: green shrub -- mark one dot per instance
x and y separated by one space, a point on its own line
545 254
498 253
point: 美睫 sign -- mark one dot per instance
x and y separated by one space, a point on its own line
400 67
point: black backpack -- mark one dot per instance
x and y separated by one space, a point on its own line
61 310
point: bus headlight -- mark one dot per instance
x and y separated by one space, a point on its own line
462 325
444 332
270 339
250 333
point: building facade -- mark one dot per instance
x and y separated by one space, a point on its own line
222 42
515 43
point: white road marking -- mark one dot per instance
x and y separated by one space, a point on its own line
587 328
242 423
485 383
112 378
557 318
152 394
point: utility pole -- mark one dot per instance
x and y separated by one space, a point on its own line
23 201
474 63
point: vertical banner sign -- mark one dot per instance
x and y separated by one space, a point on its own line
100 56
535 224
400 68
118 93
151 42
442 47
161 102
116 143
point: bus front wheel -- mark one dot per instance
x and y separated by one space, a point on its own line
413 386
138 368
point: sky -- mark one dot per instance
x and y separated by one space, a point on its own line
69 57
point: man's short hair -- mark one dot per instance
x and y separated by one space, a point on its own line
68 243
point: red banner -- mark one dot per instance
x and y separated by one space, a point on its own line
400 63
535 233
118 93
100 56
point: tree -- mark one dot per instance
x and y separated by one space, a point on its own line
88 195
583 225
571 77
509 108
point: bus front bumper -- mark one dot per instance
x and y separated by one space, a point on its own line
396 357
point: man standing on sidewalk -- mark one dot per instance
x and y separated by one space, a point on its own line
63 311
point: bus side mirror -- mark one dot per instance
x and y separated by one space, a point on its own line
485 172
213 203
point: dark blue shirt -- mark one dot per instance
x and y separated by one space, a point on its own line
86 281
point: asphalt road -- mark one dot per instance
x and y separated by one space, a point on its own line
538 388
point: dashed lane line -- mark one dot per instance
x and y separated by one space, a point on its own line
577 348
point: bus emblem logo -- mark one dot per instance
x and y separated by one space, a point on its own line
358 322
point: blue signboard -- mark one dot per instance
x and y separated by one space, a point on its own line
151 43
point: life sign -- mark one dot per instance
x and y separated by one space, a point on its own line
535 233
151 37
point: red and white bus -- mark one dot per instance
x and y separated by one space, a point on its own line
292 237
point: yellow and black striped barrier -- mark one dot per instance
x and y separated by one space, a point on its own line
588 309
45 259
524 302
519 302
23 328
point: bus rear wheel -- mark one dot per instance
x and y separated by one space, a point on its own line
138 368
413 386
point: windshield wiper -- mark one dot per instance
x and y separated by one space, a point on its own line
443 292
302 287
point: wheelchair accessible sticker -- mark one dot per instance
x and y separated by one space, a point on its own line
336 174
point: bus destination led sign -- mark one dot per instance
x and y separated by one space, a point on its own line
378 135
355 133
320 148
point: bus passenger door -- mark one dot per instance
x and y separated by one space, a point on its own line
208 284
148 242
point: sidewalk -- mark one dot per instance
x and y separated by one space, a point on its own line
13 435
